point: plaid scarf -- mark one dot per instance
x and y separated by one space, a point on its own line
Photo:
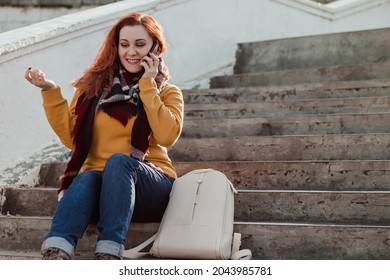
121 103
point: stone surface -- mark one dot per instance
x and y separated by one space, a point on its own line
284 148
266 240
324 207
369 175
287 125
290 107
299 206
246 94
368 71
346 48
311 242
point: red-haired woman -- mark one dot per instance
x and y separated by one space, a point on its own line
119 124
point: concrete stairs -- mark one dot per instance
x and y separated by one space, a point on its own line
301 129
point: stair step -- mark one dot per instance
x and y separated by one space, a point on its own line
19 255
364 208
360 175
29 201
344 48
26 233
342 175
315 241
289 107
275 148
266 240
36 255
338 89
369 71
287 125
353 207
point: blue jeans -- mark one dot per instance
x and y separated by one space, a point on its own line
126 190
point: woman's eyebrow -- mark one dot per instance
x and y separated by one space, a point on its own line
137 40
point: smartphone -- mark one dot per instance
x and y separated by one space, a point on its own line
150 51
152 48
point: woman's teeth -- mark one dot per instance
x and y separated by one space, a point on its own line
132 60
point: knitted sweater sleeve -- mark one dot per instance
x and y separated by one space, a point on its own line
60 115
164 110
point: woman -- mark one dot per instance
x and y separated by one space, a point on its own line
123 116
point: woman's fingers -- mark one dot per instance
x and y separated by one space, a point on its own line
27 75
32 75
38 78
150 65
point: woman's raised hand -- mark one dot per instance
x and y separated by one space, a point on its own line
37 78
150 64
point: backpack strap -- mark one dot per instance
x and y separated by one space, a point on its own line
244 254
238 254
135 253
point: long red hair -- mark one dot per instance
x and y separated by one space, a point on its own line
100 74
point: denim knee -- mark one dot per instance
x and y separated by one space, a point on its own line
119 164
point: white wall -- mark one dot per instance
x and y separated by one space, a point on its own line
17 17
202 35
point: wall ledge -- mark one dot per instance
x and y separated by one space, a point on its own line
335 10
15 43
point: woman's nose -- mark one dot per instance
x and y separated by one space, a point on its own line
132 51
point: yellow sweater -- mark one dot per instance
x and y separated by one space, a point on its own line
165 115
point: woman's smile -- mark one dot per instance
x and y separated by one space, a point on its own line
133 61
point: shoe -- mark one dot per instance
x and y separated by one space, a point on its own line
104 256
55 254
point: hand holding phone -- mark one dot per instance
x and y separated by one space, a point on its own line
149 64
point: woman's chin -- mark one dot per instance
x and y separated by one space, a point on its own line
132 69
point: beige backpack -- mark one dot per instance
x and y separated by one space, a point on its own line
198 221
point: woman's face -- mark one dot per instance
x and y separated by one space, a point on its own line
134 43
